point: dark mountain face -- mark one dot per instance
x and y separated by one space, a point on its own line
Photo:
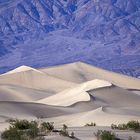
39 33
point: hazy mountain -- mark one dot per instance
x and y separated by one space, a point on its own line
105 33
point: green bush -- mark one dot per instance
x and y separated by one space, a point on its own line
64 131
21 124
113 126
91 124
47 126
65 127
33 129
11 134
22 130
122 126
105 135
134 125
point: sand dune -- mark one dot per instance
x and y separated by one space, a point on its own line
33 79
21 69
36 110
116 96
66 98
115 78
99 116
81 72
17 93
69 72
122 111
74 94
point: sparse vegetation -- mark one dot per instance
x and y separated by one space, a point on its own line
72 135
105 135
91 124
113 126
22 130
25 130
122 126
47 126
132 125
11 134
64 131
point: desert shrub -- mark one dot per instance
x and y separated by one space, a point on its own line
33 129
94 124
91 124
105 135
122 127
113 126
11 134
65 127
64 131
72 135
134 125
47 126
22 130
21 124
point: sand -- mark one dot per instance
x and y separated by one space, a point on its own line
98 115
74 94
81 72
36 80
